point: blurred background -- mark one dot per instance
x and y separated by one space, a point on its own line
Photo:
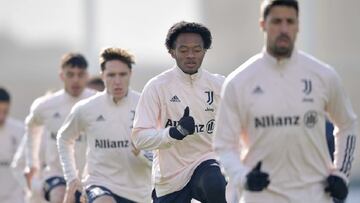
35 33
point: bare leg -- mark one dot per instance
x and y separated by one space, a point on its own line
57 194
105 199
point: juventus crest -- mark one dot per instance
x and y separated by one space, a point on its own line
210 97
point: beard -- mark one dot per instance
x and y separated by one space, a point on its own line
282 51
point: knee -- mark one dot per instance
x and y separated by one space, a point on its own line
214 183
57 194
105 199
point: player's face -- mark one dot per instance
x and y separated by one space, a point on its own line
75 80
281 27
4 111
116 76
188 52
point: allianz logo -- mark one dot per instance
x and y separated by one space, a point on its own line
276 121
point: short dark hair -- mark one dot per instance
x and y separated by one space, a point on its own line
96 80
267 5
4 95
114 53
74 60
188 27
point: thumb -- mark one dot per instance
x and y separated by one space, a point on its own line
257 167
186 112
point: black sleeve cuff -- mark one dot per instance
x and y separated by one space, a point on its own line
174 133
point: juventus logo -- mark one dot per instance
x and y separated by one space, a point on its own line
307 86
210 95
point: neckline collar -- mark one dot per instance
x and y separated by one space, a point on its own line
281 62
72 98
110 98
189 79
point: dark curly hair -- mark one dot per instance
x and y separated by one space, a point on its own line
187 27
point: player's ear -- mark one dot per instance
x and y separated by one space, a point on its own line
61 75
172 52
102 75
262 25
86 75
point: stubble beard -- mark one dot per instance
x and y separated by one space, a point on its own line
281 51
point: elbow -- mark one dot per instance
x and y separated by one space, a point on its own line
141 140
221 146
135 140
215 147
348 128
218 150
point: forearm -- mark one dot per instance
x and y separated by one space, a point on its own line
345 142
230 159
228 131
18 164
151 139
344 118
32 148
66 154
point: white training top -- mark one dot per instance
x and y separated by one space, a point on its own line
10 137
35 195
161 105
50 112
275 111
110 161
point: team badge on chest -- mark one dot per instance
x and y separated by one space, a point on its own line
209 100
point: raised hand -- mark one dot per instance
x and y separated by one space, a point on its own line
185 127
